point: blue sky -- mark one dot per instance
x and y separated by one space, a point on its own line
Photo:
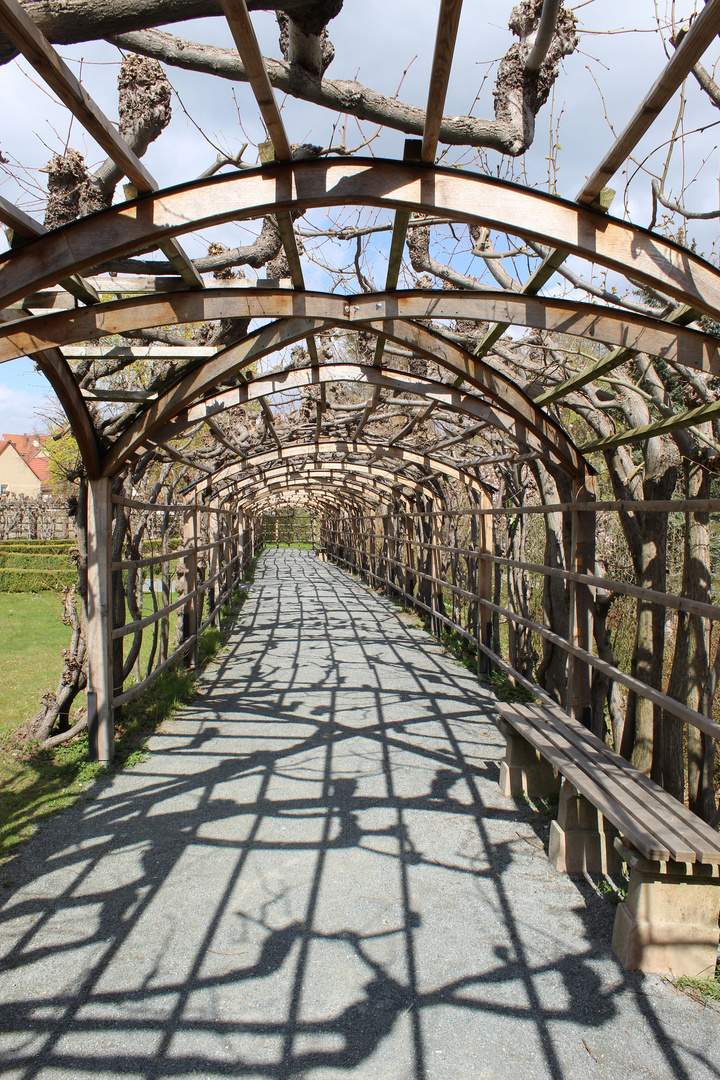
377 47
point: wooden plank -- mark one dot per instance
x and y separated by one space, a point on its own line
268 417
37 50
223 439
659 802
161 352
246 42
678 422
448 21
475 199
571 767
182 458
118 395
680 316
619 787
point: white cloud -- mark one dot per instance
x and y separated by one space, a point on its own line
21 410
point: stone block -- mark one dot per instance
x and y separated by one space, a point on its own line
524 770
581 839
668 923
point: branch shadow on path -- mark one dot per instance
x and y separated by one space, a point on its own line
314 875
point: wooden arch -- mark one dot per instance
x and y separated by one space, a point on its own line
313 450
395 484
612 327
421 189
367 488
513 411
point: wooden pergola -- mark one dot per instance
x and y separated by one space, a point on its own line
379 500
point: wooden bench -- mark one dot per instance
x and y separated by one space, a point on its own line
610 814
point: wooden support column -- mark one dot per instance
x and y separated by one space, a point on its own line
436 571
189 610
98 612
387 546
409 565
485 531
216 590
581 606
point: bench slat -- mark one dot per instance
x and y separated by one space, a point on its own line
667 809
657 813
644 840
666 838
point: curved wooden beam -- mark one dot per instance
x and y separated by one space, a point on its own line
324 503
449 397
340 446
200 383
370 474
423 189
353 487
614 328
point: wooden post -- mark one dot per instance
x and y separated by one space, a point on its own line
98 611
436 570
485 585
190 608
581 605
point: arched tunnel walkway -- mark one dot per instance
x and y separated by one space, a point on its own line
314 875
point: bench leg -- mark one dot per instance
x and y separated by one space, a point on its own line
524 770
669 923
581 839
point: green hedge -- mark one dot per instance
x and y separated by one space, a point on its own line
37 547
21 560
35 581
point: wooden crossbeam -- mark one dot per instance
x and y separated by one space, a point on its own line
699 37
181 458
448 20
412 152
26 227
152 352
223 439
267 414
119 395
595 192
680 316
445 37
246 42
37 50
243 32
678 422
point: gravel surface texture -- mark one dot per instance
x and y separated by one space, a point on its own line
314 876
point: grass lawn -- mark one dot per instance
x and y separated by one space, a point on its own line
34 785
32 637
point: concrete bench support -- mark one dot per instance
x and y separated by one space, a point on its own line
669 921
581 839
524 770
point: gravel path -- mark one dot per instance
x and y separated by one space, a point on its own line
314 876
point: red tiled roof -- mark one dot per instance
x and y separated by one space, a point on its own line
41 467
25 444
